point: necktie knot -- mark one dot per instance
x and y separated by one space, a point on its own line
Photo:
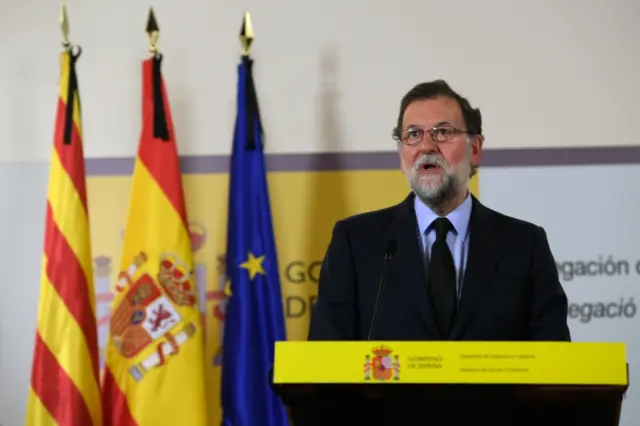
442 226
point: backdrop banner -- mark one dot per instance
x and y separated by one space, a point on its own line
595 241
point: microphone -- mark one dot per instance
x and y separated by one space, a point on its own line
388 255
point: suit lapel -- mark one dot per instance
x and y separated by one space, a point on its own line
409 269
482 259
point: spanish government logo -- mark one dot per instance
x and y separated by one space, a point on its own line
383 367
146 326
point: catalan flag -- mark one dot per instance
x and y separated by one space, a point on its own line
65 387
254 315
155 365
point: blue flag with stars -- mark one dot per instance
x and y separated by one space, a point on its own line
254 318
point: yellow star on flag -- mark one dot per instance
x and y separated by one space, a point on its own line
253 265
227 288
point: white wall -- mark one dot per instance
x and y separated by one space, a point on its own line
22 231
546 73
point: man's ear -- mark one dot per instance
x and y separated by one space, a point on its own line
476 149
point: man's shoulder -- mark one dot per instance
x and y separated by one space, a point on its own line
511 224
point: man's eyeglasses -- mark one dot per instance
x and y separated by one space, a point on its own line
415 135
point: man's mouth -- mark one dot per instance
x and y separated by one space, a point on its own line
430 166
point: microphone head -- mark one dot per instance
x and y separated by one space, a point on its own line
391 249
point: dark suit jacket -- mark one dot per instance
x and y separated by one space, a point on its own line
510 292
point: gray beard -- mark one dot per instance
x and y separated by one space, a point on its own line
436 197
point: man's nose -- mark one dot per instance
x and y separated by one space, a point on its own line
427 145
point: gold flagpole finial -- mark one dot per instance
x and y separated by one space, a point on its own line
246 34
153 32
64 26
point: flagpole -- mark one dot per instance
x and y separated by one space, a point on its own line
153 32
246 35
158 377
254 317
64 383
64 29
64 26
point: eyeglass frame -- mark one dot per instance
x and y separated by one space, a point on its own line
397 135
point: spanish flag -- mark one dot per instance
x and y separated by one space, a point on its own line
155 365
65 387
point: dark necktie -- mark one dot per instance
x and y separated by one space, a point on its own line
442 278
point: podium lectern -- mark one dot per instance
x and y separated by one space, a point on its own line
451 383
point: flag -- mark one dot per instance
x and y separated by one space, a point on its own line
254 318
64 388
155 365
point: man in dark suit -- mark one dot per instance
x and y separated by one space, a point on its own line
460 270
457 270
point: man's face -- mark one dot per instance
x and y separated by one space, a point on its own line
437 171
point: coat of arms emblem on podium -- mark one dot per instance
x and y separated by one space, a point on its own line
382 366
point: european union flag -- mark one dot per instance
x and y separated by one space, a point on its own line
254 318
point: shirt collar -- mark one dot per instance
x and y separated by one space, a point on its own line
459 217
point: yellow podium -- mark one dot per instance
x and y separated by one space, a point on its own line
407 383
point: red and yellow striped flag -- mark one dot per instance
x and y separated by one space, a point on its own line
155 364
65 387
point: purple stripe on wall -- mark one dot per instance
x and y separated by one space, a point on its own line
561 156
529 157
